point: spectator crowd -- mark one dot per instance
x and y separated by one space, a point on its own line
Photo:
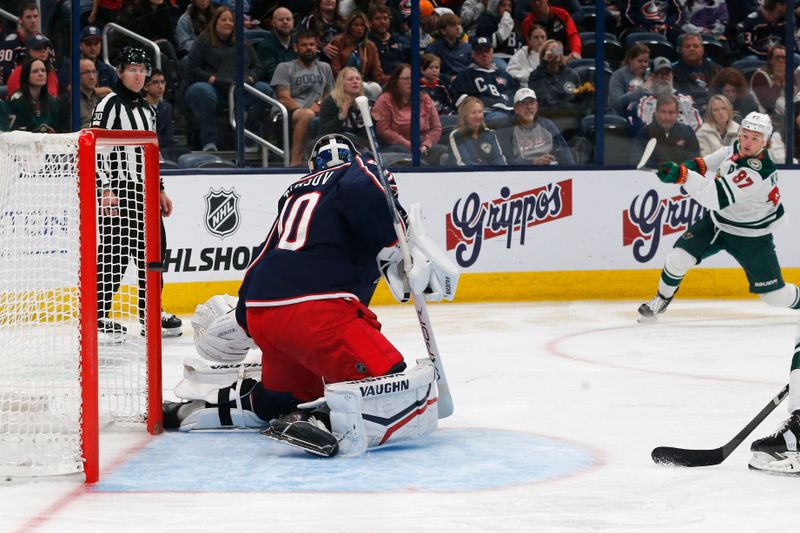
501 82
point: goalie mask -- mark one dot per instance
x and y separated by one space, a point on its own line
331 150
133 56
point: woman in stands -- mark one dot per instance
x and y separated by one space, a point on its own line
732 83
210 74
719 129
354 49
526 59
472 143
192 23
339 113
627 82
31 108
327 23
392 113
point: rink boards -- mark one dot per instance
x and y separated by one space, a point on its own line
534 235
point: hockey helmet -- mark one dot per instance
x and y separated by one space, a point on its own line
133 56
758 122
331 150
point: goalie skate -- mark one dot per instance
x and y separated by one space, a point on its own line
778 453
310 435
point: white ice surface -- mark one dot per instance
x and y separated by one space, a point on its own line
583 372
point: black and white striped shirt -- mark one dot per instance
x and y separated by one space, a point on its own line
122 109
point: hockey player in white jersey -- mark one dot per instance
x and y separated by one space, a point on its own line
739 186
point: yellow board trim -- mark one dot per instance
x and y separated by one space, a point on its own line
527 286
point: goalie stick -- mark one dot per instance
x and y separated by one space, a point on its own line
648 151
683 457
445 399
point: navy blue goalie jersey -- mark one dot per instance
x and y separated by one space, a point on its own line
330 226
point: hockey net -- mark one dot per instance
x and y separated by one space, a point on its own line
61 379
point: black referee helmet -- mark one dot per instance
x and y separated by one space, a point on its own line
133 56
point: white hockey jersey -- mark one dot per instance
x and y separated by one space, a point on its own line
742 193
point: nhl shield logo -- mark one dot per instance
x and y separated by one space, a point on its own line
222 212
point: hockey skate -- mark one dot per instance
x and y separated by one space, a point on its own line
110 332
170 325
778 453
306 430
649 311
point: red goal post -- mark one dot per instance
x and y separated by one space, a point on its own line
53 241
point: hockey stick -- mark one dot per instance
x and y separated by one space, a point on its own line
648 151
682 457
445 399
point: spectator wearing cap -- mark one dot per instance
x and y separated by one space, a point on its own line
693 71
641 112
451 47
533 140
557 23
91 45
556 86
493 86
276 47
429 22
39 47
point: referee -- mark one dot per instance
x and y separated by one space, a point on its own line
120 176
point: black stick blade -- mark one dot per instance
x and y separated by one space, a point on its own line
666 455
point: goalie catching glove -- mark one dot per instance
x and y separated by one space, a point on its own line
217 335
433 274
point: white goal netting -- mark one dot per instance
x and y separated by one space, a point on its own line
42 302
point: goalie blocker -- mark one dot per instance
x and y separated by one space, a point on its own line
351 418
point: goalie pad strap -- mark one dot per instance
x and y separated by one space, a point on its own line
224 406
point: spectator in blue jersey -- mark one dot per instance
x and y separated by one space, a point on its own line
482 79
339 113
14 46
451 47
664 17
393 48
210 74
763 29
498 24
533 140
191 24
326 22
276 47
693 71
472 143
430 66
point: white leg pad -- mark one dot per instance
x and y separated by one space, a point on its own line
201 379
385 410
209 419
786 296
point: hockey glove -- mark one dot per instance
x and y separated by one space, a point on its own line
391 265
217 335
696 164
433 274
671 172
